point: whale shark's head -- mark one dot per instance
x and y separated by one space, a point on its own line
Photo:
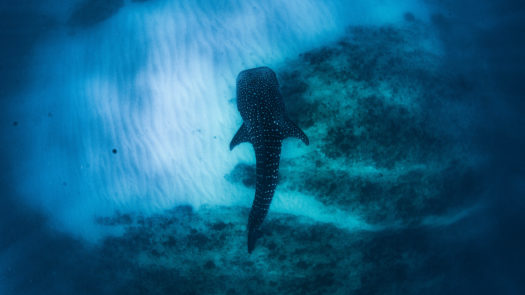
256 88
257 76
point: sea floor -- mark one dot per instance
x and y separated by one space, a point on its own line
388 119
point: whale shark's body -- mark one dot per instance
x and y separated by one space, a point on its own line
265 125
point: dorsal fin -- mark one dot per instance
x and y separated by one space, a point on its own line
289 129
241 136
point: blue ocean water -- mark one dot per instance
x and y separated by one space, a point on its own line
118 178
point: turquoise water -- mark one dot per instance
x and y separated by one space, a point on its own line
118 178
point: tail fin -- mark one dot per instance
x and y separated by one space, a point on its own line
253 235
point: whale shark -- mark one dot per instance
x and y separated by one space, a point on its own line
265 125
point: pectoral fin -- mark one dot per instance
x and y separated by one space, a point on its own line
241 136
289 129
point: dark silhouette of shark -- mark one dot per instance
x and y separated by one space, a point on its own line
265 125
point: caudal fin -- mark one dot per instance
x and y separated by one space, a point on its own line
253 235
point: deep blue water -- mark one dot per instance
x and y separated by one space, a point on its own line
117 176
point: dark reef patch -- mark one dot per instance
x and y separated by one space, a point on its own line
180 252
387 134
409 17
245 174
379 107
